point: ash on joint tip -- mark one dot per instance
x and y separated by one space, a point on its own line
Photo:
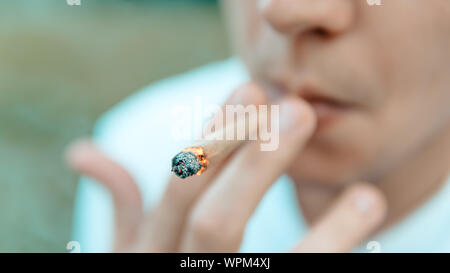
186 164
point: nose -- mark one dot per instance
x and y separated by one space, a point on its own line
299 17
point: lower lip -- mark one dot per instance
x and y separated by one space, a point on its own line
327 113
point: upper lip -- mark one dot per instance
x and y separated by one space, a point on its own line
311 93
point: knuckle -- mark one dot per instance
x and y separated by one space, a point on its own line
209 226
248 93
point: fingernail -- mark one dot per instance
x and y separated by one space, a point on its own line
363 202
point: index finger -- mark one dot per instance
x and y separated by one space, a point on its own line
170 215
221 215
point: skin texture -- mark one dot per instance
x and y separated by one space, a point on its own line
385 120
392 62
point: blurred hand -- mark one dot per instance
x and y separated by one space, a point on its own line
208 213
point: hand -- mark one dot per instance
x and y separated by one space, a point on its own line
209 213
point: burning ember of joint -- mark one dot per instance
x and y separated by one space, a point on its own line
194 160
190 161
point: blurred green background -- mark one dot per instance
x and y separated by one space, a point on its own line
61 67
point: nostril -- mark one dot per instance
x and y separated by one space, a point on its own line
320 32
314 19
317 33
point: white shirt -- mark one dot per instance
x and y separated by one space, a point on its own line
137 133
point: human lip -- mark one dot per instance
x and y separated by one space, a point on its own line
328 108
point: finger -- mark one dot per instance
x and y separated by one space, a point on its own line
84 157
164 225
349 221
219 218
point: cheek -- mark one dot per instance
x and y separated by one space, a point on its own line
413 50
414 57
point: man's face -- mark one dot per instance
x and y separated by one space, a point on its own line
377 76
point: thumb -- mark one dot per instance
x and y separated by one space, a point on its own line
350 220
85 158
